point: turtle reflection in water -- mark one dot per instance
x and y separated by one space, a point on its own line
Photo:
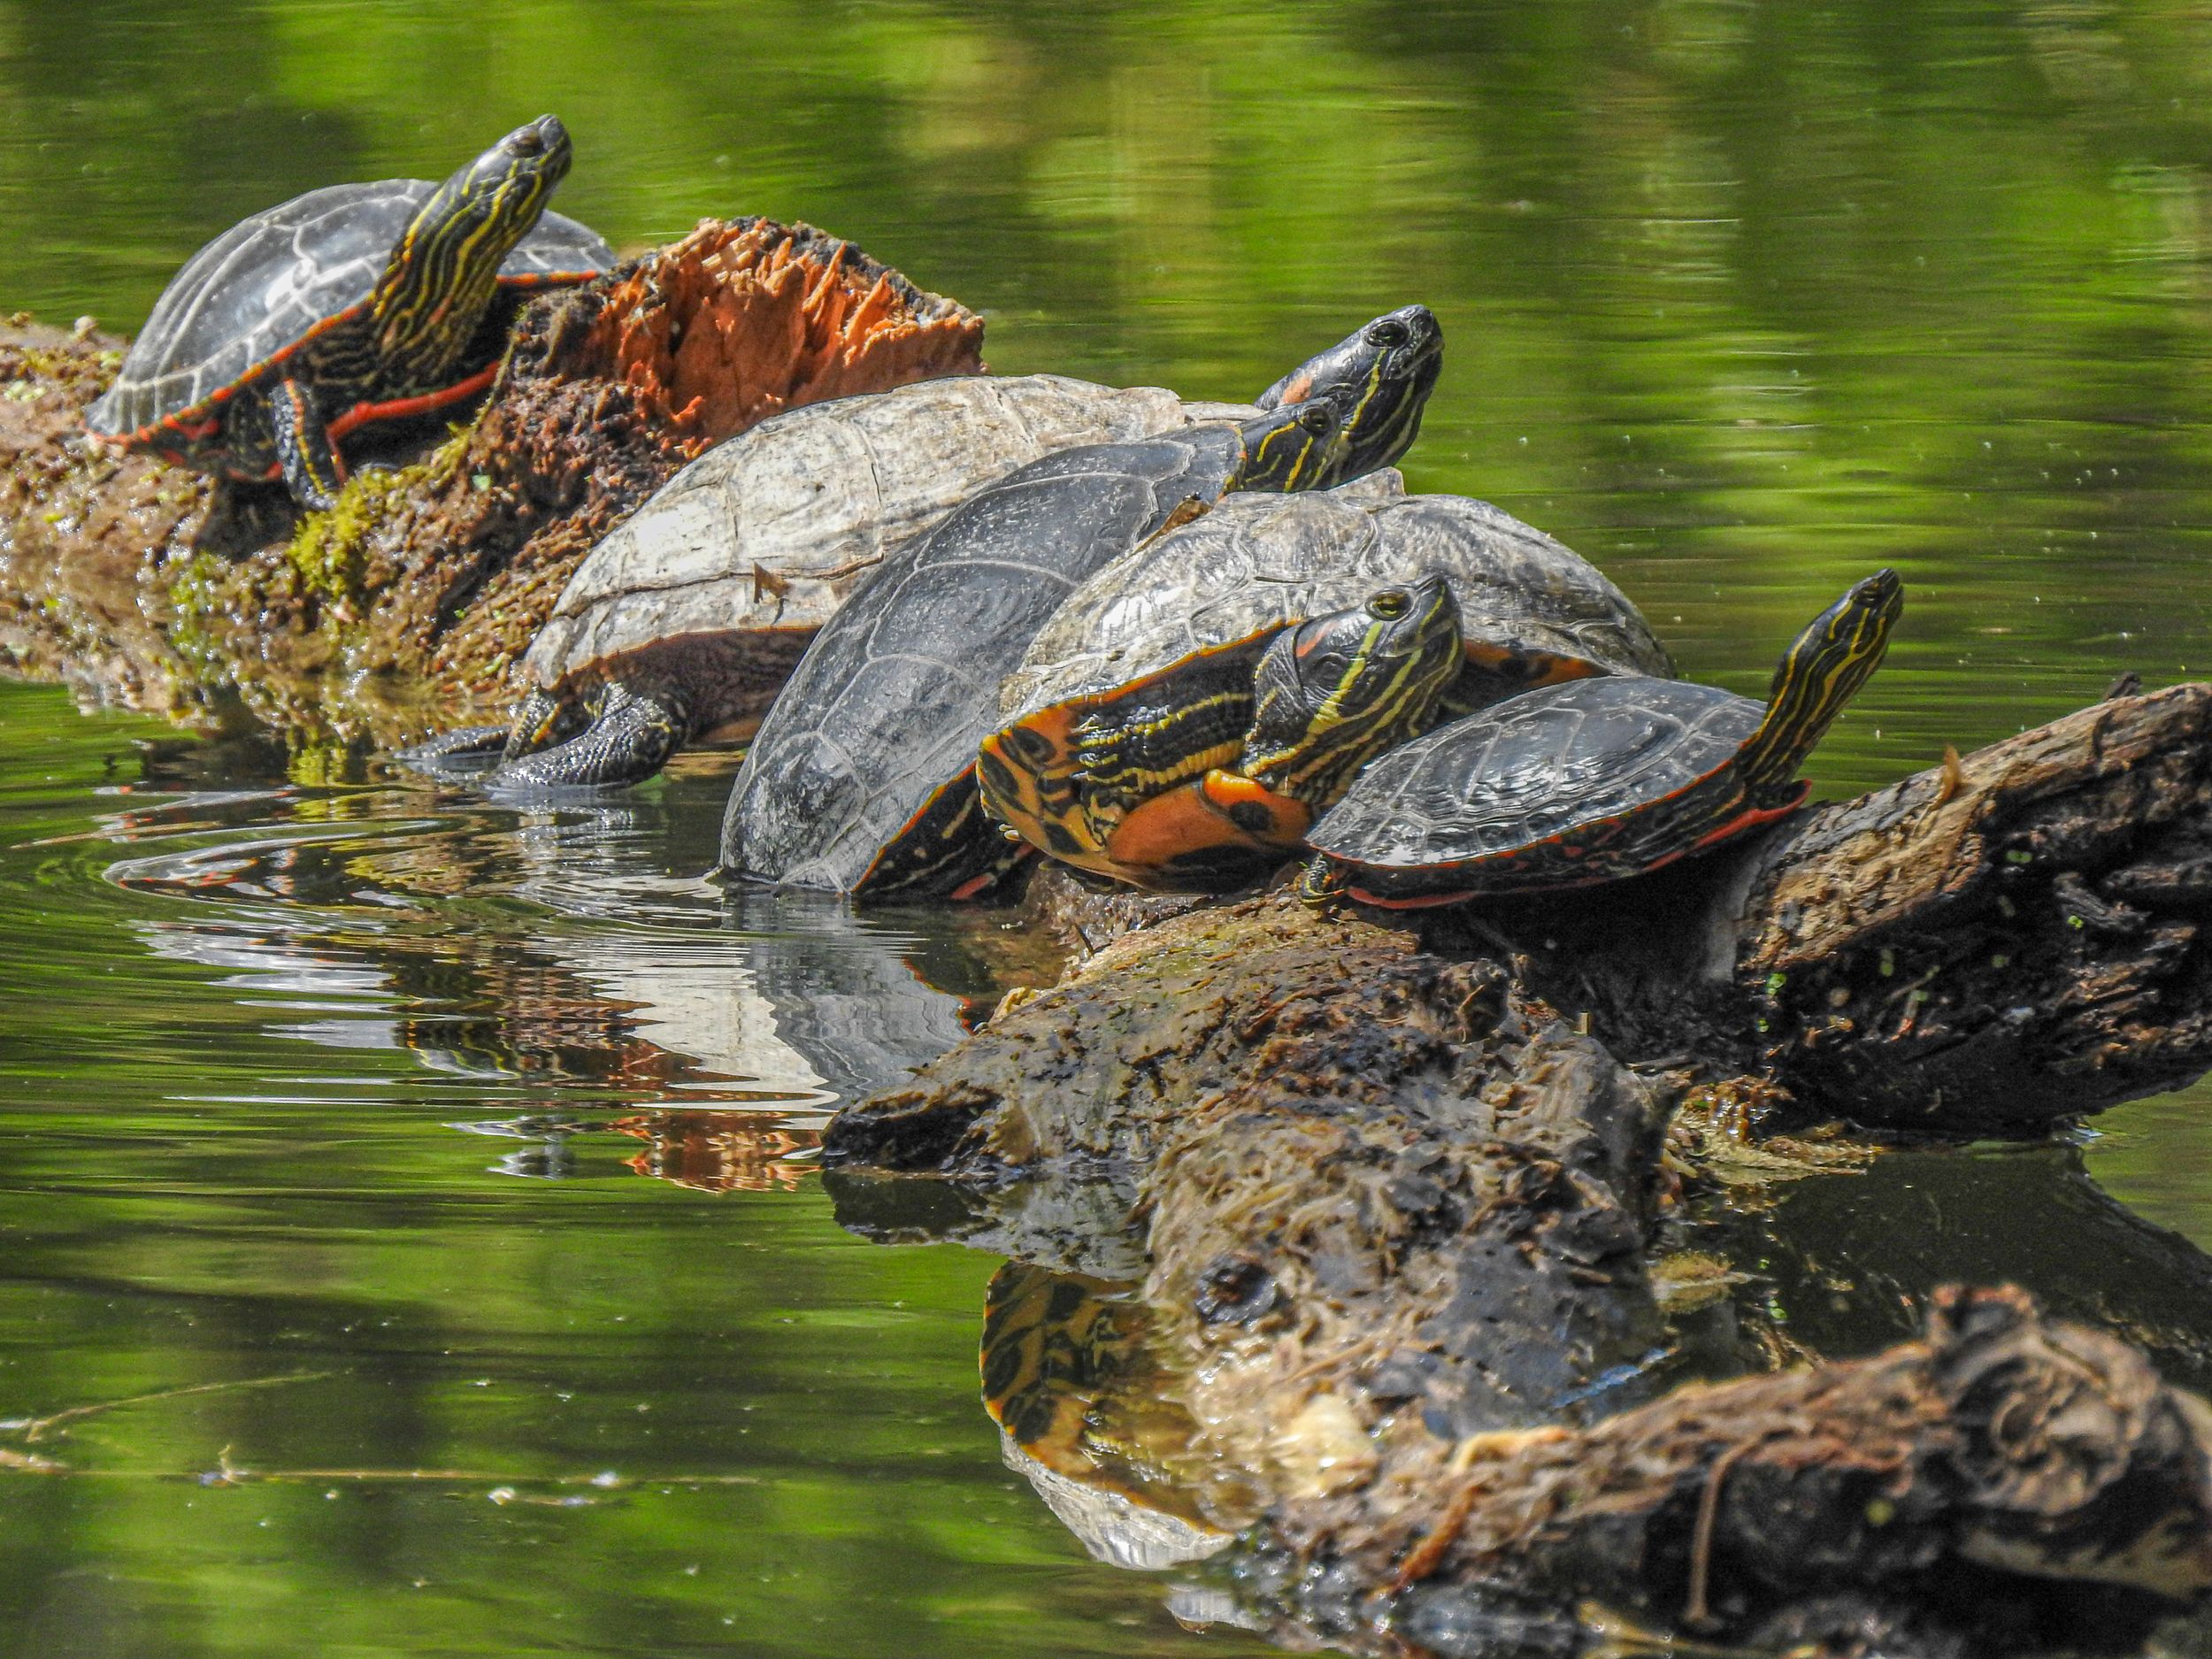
356 303
723 1151
1083 1416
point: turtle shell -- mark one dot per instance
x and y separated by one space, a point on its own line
763 537
275 279
861 777
1184 620
1531 610
1562 786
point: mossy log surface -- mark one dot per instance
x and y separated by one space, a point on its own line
1391 1187
402 610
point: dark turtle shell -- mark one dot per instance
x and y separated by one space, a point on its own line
278 277
862 778
1594 780
1571 785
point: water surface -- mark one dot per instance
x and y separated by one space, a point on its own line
480 1139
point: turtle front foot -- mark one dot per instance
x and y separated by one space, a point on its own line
631 739
464 753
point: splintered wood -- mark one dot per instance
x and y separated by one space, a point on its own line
742 319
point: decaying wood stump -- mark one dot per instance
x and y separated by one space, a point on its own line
401 610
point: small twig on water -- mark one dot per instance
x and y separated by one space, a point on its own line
34 1428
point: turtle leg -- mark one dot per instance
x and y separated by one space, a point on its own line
631 735
1141 747
304 450
462 752
540 720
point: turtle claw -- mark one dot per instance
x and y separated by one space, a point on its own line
630 740
467 752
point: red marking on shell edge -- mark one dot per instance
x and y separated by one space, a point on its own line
1749 820
975 886
1419 901
254 370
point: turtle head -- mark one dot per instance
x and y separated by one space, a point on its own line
1332 692
440 277
1821 671
1378 381
1299 446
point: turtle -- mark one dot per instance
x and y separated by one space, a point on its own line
1571 785
1204 784
352 305
1122 726
683 622
861 779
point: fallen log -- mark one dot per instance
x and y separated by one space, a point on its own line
401 610
1989 945
1392 1196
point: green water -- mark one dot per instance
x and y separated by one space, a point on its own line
359 1094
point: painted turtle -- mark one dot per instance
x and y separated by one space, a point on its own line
1130 746
1595 780
347 305
861 777
691 613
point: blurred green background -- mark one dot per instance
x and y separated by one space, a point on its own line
1742 300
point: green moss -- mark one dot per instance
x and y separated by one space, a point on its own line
328 549
195 603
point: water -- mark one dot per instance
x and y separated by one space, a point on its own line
479 1140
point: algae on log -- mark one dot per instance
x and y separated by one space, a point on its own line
401 610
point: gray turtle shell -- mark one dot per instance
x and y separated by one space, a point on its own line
276 277
1541 765
884 713
1256 563
771 530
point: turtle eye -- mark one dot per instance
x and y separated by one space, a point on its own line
1313 418
526 142
1386 334
1390 605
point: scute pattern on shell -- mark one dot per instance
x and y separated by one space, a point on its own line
888 705
1258 560
275 277
774 528
1531 768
